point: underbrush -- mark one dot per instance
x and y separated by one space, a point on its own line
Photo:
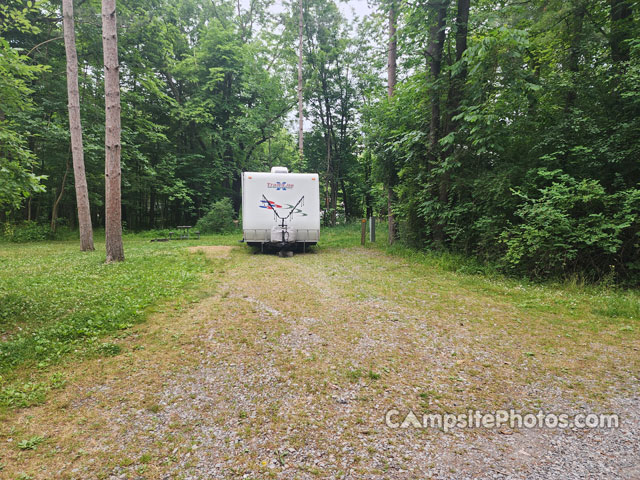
29 231
25 232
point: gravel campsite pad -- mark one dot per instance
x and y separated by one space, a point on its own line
288 367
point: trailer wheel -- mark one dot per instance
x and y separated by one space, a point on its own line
285 253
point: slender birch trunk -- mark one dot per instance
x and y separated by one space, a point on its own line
300 98
391 85
113 208
75 129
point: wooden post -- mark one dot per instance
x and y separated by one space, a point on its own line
372 229
363 235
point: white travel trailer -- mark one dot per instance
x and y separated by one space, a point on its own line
280 209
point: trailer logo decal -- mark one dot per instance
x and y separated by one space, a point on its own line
280 185
270 206
273 205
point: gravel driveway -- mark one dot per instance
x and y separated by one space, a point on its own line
286 368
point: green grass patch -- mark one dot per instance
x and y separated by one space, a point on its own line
30 443
56 300
591 308
597 307
340 236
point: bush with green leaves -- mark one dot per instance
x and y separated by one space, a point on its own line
26 232
218 219
574 225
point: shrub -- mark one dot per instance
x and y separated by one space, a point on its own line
574 225
27 231
218 219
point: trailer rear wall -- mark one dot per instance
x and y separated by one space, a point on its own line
282 190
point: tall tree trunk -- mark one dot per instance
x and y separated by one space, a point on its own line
621 14
300 97
334 202
152 208
331 180
455 95
367 194
434 54
345 200
393 52
391 85
456 87
54 209
327 123
573 60
113 209
75 128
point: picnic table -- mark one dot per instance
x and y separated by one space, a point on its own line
182 234
183 231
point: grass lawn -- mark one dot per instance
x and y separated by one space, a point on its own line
56 302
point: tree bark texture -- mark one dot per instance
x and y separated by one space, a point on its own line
456 89
434 54
113 208
300 96
75 128
434 59
393 52
391 85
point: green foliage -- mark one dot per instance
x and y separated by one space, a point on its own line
23 395
17 179
109 349
219 218
574 225
329 55
27 231
30 443
535 168
198 107
207 89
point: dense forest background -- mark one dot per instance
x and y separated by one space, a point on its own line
512 132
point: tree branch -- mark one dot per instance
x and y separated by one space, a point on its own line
41 44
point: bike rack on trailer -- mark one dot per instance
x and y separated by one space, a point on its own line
283 219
